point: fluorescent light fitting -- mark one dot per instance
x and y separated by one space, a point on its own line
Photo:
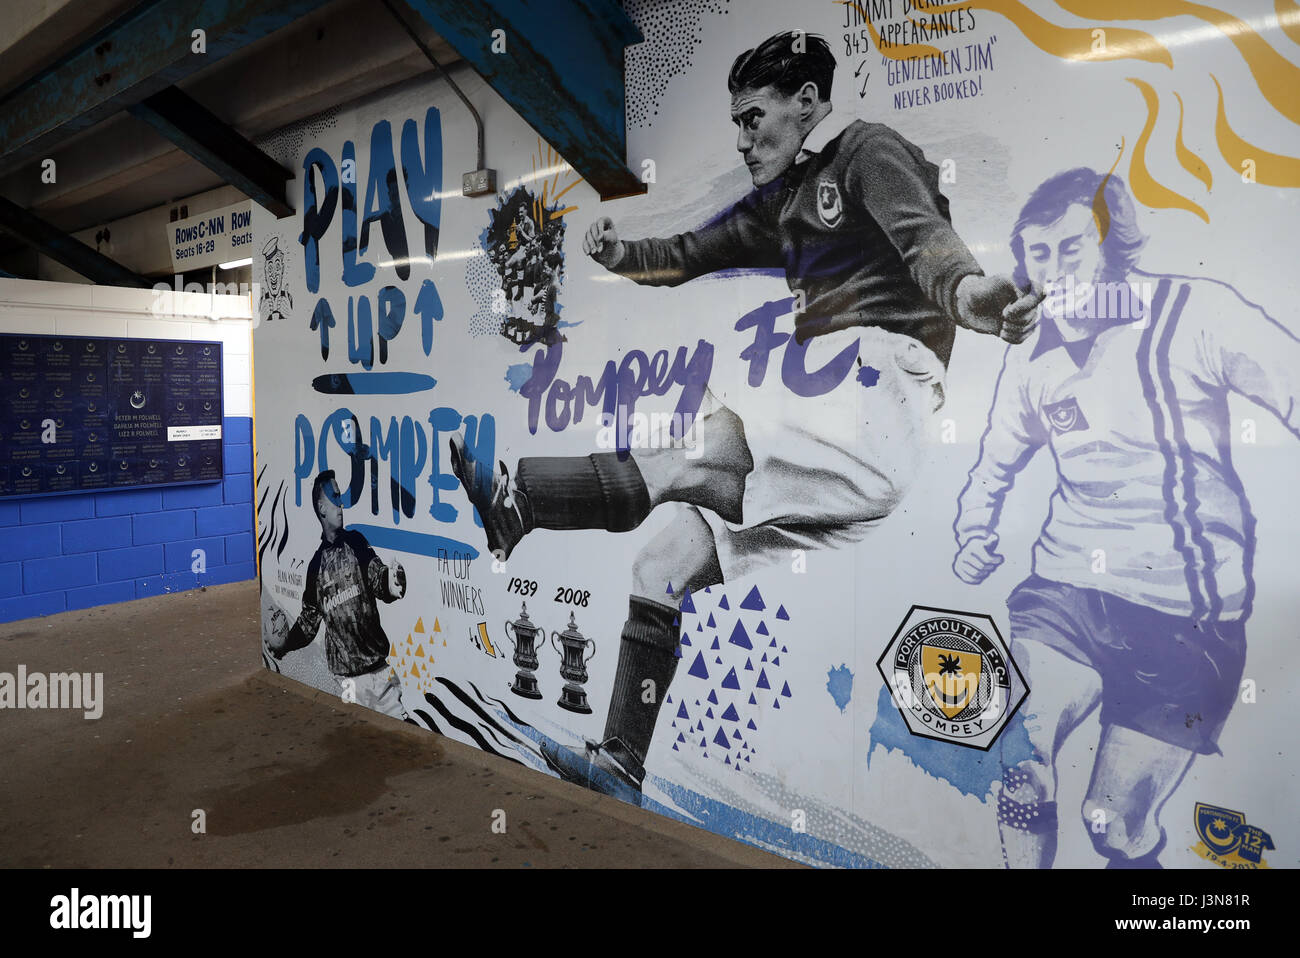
236 263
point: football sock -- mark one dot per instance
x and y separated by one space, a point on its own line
598 491
647 651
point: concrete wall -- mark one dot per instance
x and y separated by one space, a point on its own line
80 550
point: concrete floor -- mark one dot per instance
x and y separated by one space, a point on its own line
286 776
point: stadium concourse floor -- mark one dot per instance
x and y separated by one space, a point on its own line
286 776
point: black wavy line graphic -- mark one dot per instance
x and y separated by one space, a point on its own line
428 720
466 727
265 492
284 513
506 708
471 704
264 543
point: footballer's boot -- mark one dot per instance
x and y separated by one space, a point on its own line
503 508
608 767
647 653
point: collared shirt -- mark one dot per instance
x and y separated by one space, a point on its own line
1147 504
819 137
860 228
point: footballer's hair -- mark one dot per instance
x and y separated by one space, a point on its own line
318 489
1108 198
786 61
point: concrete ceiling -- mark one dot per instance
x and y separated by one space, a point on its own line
120 166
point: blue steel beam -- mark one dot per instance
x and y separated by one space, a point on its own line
217 146
145 51
62 248
562 71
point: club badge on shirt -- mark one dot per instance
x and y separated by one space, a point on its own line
1066 416
830 207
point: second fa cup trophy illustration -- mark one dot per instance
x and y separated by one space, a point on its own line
573 666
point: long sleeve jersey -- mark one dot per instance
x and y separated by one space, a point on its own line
1137 423
344 578
860 227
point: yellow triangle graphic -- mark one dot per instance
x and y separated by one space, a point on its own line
419 651
415 671
419 624
392 652
436 626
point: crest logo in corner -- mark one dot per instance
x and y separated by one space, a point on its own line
1227 840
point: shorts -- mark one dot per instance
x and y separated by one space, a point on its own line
380 690
1161 674
827 469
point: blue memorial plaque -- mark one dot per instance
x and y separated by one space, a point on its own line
84 413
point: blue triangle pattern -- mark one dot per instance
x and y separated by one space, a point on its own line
739 636
731 682
753 602
698 668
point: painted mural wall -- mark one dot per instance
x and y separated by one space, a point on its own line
906 479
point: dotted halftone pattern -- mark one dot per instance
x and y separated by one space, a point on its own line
285 143
481 278
672 31
822 819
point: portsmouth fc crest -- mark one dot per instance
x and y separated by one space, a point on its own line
1227 840
952 677
830 206
1066 416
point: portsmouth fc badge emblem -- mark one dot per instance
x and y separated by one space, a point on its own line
830 207
952 676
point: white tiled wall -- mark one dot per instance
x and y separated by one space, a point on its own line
78 309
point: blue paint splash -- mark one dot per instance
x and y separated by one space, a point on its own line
839 683
868 376
965 769
517 375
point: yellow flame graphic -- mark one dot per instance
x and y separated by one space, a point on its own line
1288 18
1100 210
1146 188
1191 162
1271 169
1069 43
1276 76
547 158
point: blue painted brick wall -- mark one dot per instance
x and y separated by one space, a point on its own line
79 551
